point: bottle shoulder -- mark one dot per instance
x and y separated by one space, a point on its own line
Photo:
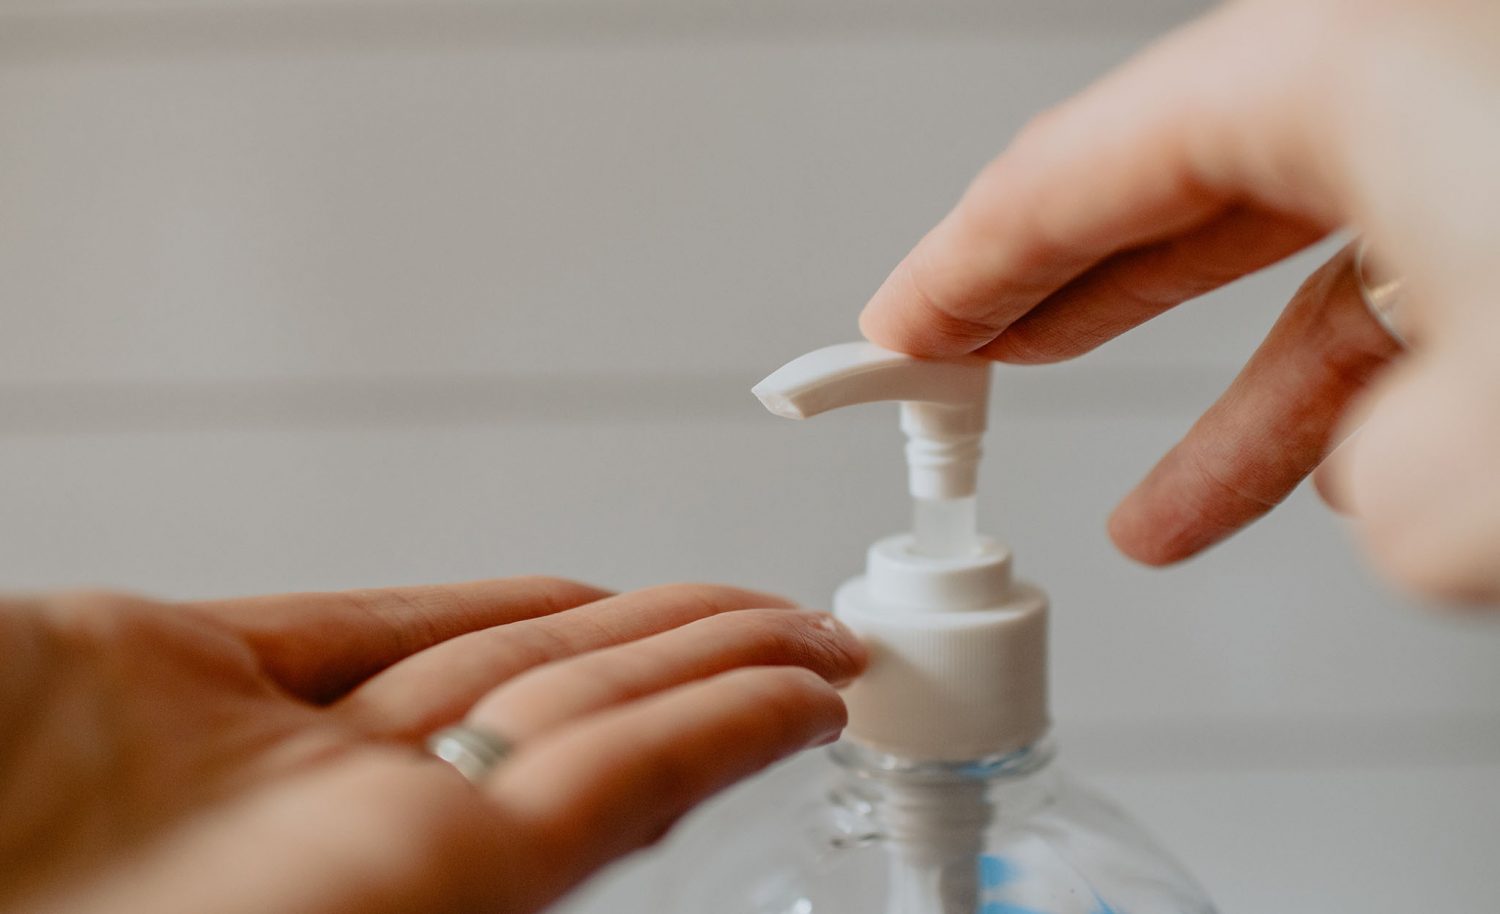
807 837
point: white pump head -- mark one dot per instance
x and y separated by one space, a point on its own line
958 650
943 405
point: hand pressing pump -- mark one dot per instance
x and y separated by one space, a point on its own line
941 798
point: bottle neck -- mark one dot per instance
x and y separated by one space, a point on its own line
1010 767
933 818
937 804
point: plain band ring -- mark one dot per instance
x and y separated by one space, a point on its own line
474 751
1381 293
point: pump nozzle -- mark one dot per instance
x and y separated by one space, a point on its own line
958 647
943 411
850 373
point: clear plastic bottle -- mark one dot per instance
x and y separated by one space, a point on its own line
941 799
848 831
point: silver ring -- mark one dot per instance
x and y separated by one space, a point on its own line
474 751
1382 293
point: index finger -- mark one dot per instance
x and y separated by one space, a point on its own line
320 645
1161 146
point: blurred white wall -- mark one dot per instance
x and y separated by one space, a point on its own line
314 295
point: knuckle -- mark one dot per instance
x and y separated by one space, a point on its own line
945 315
1130 292
929 284
417 617
1028 342
409 617
1237 484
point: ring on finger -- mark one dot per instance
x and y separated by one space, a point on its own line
1381 291
474 751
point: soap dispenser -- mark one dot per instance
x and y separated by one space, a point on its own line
941 797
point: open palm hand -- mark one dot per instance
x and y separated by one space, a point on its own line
263 754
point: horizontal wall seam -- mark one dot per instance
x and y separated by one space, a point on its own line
65 407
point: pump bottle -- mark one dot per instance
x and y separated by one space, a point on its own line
941 797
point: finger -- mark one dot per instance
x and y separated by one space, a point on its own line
438 686
616 781
551 695
1420 478
1269 430
1326 480
1130 288
1138 158
319 645
1330 479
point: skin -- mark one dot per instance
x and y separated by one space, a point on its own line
264 754
1236 141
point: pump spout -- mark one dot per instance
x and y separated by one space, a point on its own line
852 373
944 405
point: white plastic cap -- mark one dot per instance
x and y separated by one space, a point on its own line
958 654
958 650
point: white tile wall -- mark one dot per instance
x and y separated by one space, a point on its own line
322 295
